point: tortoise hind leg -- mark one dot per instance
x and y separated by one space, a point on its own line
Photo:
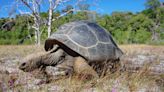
81 67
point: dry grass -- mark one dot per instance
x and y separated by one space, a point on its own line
140 81
148 49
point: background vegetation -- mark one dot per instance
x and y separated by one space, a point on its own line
145 27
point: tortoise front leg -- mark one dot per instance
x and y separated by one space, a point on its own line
62 69
82 67
58 72
72 65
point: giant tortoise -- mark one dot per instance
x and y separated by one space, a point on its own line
81 45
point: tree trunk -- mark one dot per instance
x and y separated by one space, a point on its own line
154 33
36 26
38 37
50 18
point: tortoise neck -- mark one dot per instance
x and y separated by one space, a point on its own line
53 58
47 59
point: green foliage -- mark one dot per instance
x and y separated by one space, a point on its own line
121 36
141 36
152 4
18 32
44 15
125 27
11 37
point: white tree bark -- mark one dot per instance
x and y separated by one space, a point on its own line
36 26
53 6
35 9
50 17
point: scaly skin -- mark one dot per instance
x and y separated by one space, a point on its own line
61 60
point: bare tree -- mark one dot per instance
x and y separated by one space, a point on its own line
50 17
53 5
154 6
34 6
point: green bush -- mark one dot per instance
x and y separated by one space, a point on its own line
121 36
11 37
142 36
125 27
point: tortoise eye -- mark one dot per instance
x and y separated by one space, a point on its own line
23 64
61 58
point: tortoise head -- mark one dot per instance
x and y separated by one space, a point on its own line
31 62
38 61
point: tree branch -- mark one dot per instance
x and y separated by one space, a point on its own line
71 11
23 1
63 14
33 11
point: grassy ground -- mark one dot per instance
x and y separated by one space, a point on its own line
140 81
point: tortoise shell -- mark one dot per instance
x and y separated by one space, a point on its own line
87 39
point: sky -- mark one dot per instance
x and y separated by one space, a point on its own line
100 6
109 6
